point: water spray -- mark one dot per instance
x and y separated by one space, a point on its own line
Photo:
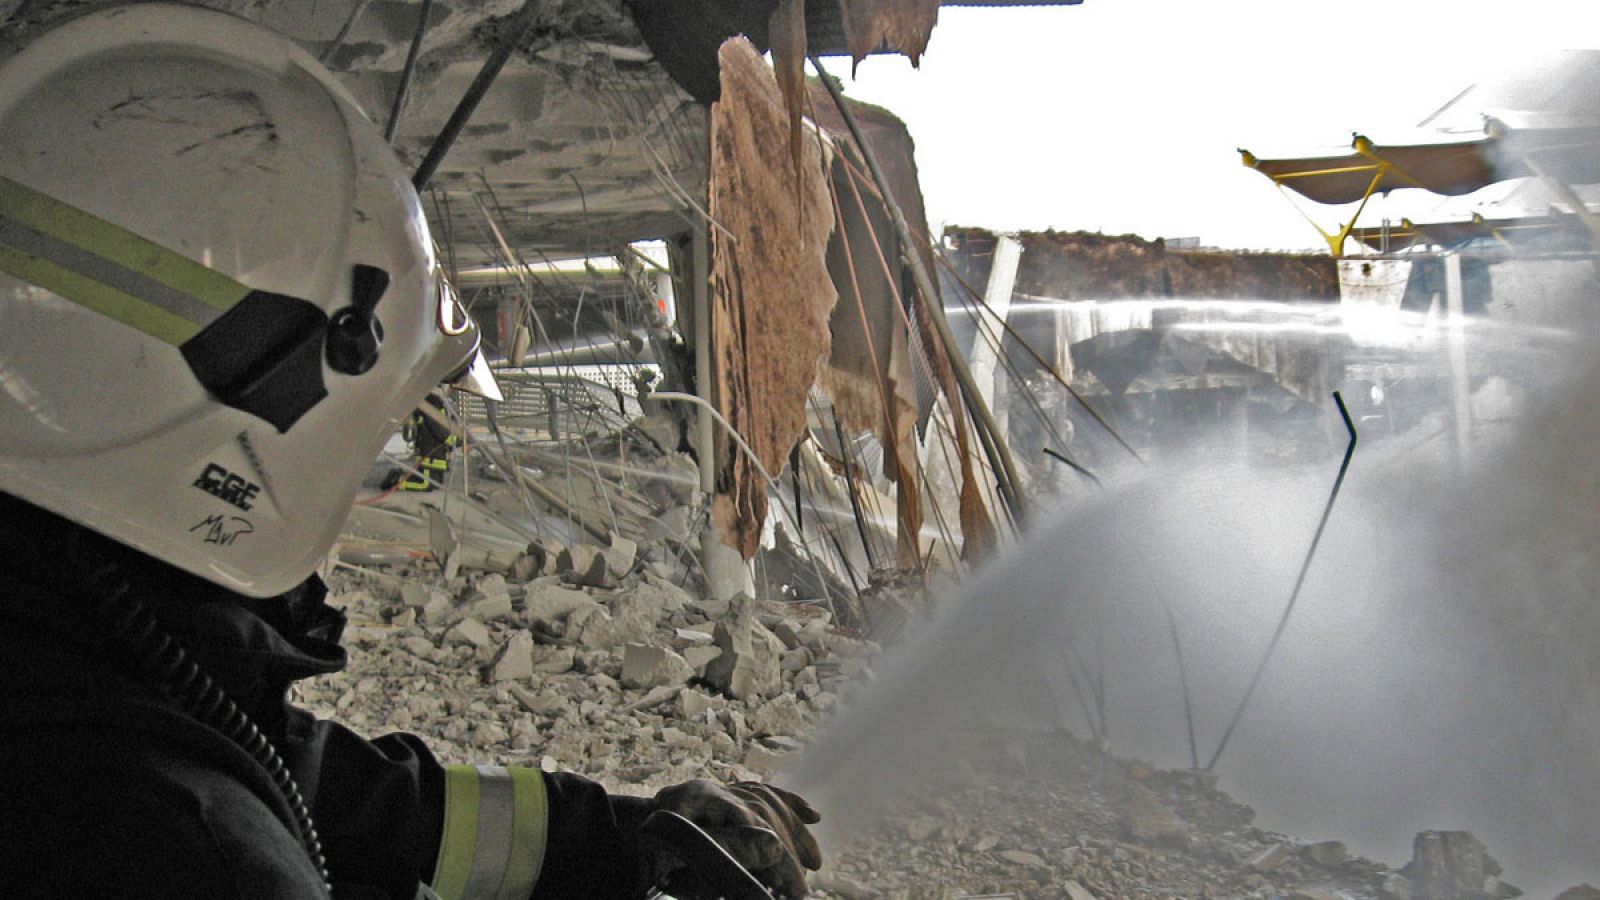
1299 582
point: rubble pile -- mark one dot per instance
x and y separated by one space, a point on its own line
1047 816
590 660
595 659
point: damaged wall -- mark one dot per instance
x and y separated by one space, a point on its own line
770 295
1081 265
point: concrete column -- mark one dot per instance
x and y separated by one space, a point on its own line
1455 341
991 319
727 573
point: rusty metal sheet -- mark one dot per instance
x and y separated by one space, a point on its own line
770 296
787 31
871 247
869 370
899 25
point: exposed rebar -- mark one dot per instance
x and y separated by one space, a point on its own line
407 73
1005 468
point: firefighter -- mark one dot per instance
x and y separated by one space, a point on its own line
219 298
432 443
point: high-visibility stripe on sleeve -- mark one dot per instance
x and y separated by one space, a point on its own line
494 833
107 268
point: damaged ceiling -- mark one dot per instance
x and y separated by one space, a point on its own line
555 129
591 136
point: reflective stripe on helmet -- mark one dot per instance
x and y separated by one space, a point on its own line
494 833
107 268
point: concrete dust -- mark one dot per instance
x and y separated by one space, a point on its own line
1440 672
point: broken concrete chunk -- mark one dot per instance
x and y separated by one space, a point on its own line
1076 891
420 647
655 597
1398 887
1448 864
1146 818
700 657
723 747
1581 892
693 705
584 564
1024 858
786 632
534 561
659 428
441 536
515 660
621 555
762 761
1270 858
748 667
415 594
468 631
538 704
1328 853
439 610
492 585
485 608
644 666
676 524
602 631
551 660
781 716
796 660
657 696
781 743
548 600
692 637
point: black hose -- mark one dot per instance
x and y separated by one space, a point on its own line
1299 582
517 30
155 657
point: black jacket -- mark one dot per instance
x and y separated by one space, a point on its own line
111 789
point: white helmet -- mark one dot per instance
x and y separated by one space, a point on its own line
218 295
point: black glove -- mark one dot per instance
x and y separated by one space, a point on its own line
761 826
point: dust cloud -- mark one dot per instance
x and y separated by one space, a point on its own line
1441 670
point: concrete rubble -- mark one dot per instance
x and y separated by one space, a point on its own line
593 657
602 667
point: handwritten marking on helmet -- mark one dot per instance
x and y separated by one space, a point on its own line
221 483
221 530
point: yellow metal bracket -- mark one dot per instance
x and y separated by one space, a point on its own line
1379 168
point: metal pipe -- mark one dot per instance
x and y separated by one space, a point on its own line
1000 457
1050 369
408 72
850 485
1294 596
517 30
700 284
338 39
